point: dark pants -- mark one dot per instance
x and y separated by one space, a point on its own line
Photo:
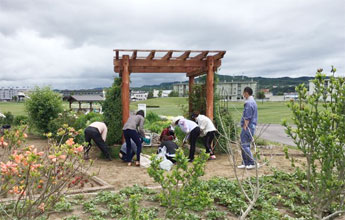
132 134
92 133
208 142
193 136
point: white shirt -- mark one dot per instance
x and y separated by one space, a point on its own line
205 124
102 128
186 125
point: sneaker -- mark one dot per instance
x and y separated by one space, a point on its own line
249 167
213 157
241 166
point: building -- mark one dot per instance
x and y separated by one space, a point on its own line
226 90
12 93
139 95
165 93
312 88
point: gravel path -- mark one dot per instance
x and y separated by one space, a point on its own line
274 132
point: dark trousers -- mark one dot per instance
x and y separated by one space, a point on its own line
92 133
132 134
208 142
193 136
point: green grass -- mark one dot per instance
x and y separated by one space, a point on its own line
269 112
167 106
14 107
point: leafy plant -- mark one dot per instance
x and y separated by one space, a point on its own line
181 187
43 106
112 108
319 133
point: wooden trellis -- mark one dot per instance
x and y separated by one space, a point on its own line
192 62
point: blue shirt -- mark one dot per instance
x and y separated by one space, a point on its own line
250 112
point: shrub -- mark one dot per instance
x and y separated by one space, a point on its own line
181 187
43 106
8 120
112 108
21 120
319 134
36 180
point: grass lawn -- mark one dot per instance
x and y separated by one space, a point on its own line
269 112
14 107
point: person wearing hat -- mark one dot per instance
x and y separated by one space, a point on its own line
134 123
208 130
189 128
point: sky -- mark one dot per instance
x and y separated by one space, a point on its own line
68 44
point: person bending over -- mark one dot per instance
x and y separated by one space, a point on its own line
189 128
134 124
97 131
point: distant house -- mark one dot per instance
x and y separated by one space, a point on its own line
165 93
226 90
139 95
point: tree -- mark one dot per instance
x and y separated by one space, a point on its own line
319 121
173 94
112 108
43 106
150 95
261 95
160 93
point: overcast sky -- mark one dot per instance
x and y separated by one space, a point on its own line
69 43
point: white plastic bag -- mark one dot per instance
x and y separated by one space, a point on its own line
166 165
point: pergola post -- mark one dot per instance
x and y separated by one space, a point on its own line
91 107
191 84
209 87
125 88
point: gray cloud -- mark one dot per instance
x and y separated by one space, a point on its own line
68 44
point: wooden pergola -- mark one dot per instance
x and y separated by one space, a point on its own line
192 62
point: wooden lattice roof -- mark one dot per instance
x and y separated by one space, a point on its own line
192 62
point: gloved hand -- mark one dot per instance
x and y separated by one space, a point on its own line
146 140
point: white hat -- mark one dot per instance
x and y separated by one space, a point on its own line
174 120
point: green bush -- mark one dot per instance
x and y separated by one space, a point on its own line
181 187
112 108
21 120
8 120
43 106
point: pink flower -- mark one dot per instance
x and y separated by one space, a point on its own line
62 157
78 149
25 135
41 207
52 157
70 142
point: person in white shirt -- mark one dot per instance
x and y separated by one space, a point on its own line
208 130
97 131
189 128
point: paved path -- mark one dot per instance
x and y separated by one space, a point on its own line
275 133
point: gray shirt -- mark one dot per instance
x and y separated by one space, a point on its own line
135 122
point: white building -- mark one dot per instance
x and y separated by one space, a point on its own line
226 90
8 94
139 95
165 93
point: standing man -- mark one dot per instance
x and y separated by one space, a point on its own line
248 124
189 128
97 131
208 130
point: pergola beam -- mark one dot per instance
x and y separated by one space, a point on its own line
168 55
151 55
166 63
201 56
184 56
219 55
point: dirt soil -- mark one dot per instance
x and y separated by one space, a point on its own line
118 174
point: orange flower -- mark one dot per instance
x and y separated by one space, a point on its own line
62 157
78 149
52 157
25 135
18 158
70 142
